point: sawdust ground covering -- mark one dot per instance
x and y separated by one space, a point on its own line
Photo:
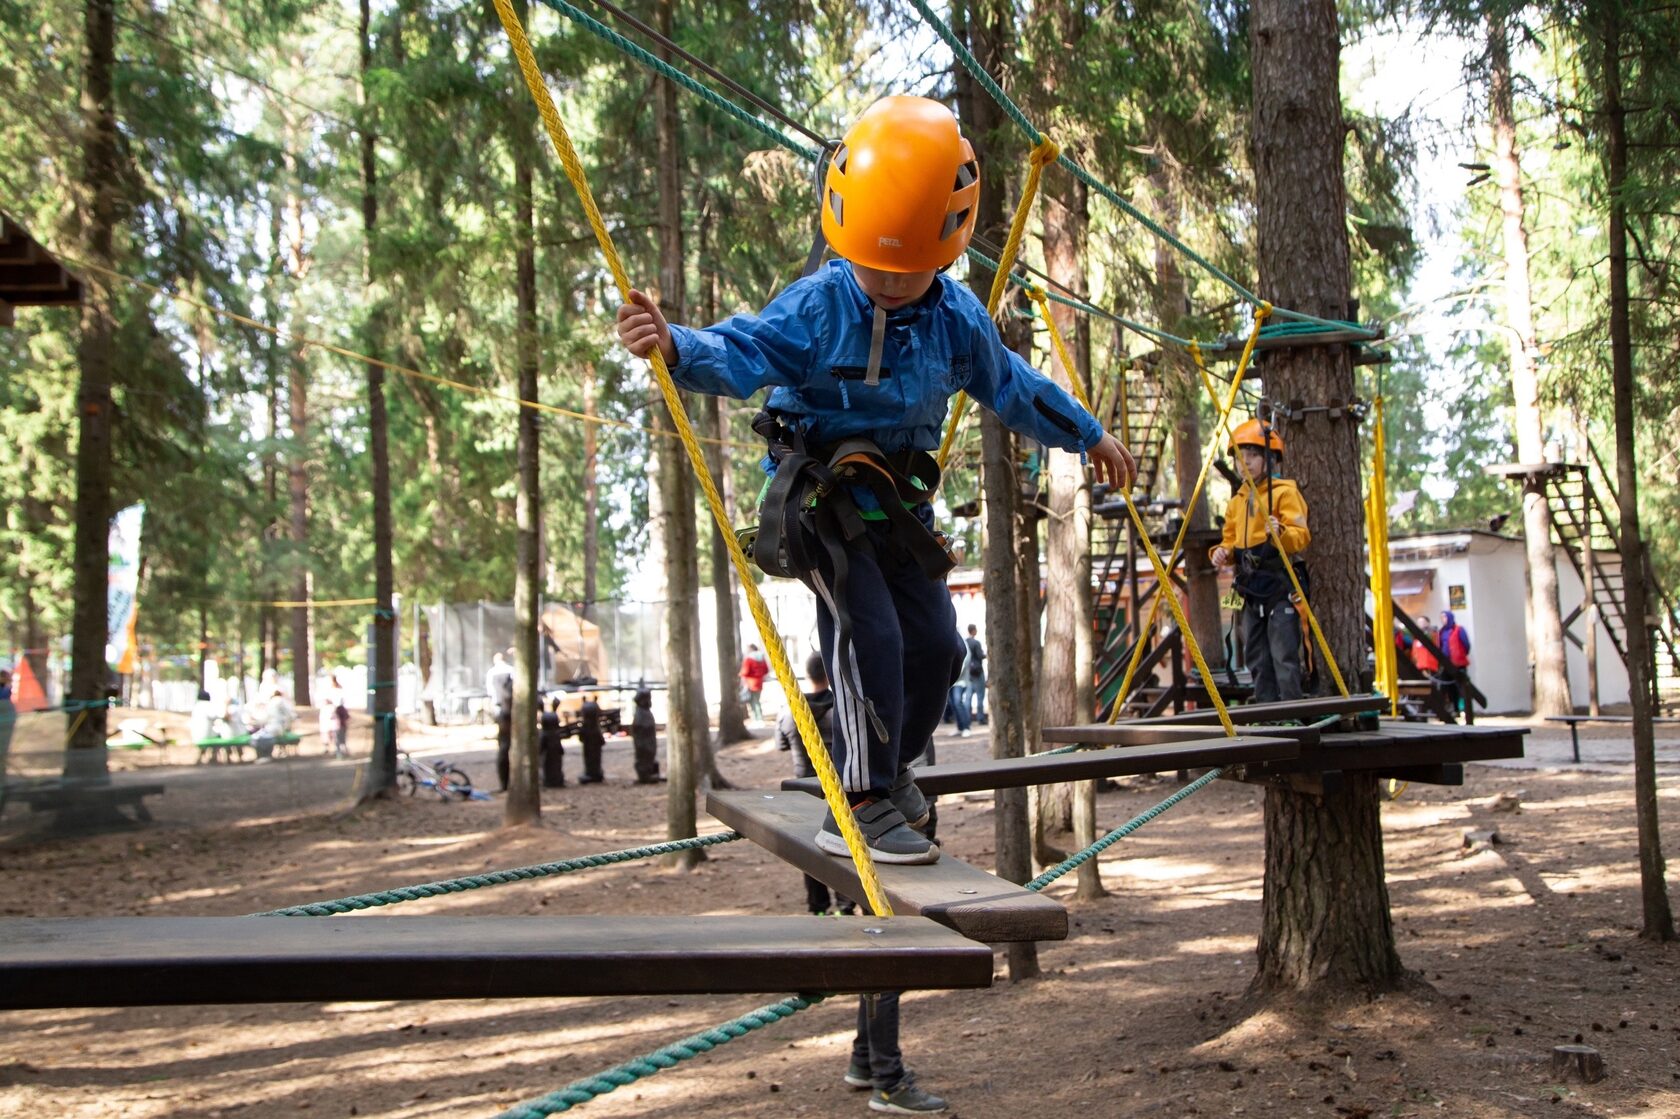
1527 944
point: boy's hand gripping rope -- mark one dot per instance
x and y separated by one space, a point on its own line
810 736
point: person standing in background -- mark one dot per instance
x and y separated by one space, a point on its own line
973 678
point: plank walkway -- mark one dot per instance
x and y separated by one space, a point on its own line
172 961
1204 752
955 894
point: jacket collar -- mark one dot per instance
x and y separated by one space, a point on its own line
898 316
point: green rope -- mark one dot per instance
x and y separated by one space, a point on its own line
1082 857
1034 136
711 96
1150 332
582 1091
495 878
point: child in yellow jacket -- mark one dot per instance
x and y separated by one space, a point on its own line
1271 626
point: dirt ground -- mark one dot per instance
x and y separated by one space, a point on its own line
1526 945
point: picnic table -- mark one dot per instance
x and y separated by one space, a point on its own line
233 748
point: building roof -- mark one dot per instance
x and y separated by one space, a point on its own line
30 276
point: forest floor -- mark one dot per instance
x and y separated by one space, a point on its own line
1140 1012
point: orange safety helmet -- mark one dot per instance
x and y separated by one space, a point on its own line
902 189
1252 433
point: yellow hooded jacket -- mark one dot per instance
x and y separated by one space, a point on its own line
1245 517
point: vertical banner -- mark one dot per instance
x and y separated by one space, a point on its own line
122 589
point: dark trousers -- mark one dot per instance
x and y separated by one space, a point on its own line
592 742
1272 648
876 1045
905 656
504 747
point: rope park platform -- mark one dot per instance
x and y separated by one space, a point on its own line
949 911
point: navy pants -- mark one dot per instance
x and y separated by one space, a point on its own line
905 655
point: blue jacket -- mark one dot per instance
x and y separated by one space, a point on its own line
811 344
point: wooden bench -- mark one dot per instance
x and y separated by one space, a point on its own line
1204 752
50 796
1575 722
959 896
175 961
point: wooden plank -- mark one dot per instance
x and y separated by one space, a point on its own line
1086 765
169 961
1150 734
1398 745
1305 710
953 893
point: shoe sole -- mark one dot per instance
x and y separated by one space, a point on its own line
832 844
895 1109
855 1082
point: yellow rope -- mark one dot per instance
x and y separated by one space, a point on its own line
1164 583
1277 542
1040 297
809 735
1162 574
1043 155
305 340
1382 584
1260 315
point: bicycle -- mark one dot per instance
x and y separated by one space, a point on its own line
447 780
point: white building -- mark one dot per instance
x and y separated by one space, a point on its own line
1482 577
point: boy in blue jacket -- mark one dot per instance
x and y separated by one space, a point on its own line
872 347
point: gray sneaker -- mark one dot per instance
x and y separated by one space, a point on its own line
908 799
889 838
906 1098
857 1076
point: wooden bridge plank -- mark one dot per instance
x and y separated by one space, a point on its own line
950 892
1304 709
1401 745
169 961
1151 734
1085 765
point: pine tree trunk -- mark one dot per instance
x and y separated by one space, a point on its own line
524 797
685 734
732 713
297 469
1325 926
1545 636
983 23
1172 304
1065 695
379 777
86 757
1642 691
591 498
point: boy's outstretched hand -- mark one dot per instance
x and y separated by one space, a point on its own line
1113 462
642 326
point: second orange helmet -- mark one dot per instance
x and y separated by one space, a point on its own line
1250 433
